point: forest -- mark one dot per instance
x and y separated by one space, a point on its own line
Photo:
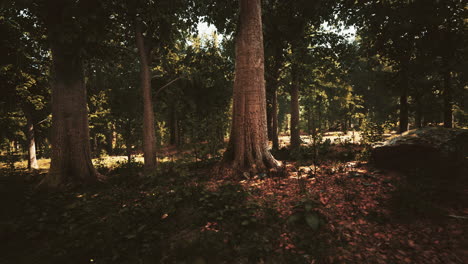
233 131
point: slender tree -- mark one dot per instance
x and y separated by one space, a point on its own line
32 160
25 87
149 136
294 92
272 82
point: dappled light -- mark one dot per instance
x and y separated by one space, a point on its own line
243 131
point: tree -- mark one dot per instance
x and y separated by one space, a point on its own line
299 18
149 136
23 72
275 49
386 31
153 31
69 31
248 148
196 93
444 22
272 84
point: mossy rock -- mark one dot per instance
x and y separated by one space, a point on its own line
431 147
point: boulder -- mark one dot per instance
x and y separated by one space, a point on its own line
430 147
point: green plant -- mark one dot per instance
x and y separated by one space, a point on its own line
371 132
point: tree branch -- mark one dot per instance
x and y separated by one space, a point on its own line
168 84
42 121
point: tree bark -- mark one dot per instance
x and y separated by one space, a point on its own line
110 138
404 101
32 160
149 136
95 153
128 150
248 144
294 127
273 93
447 94
71 155
174 128
269 111
274 117
418 114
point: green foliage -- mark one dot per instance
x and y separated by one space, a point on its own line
371 132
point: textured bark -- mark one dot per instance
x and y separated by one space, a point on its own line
294 127
32 160
447 94
149 136
71 156
248 145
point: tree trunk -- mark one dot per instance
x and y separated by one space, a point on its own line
269 111
32 161
149 136
274 117
404 101
127 139
248 144
174 128
95 153
447 94
71 155
418 114
128 150
110 139
274 82
294 126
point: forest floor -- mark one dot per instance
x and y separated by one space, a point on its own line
338 211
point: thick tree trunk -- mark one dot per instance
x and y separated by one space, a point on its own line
71 155
404 102
149 136
248 145
295 131
447 94
32 160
